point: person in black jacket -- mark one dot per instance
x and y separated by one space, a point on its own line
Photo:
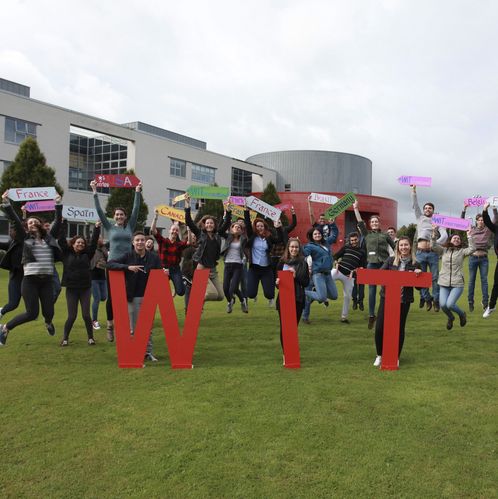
12 262
493 227
39 254
293 261
137 264
77 279
401 261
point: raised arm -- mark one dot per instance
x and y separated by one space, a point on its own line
293 223
188 218
226 223
92 247
247 220
153 229
105 223
12 215
310 209
415 205
54 231
132 222
487 221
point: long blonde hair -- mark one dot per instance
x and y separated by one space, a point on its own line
397 254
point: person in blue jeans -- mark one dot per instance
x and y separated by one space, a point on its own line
322 260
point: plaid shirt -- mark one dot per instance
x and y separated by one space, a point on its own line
170 252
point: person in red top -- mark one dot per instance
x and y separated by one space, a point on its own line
170 253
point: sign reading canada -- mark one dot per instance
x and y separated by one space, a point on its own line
169 212
32 193
124 181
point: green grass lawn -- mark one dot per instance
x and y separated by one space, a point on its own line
241 425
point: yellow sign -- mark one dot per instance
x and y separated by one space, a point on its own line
238 212
181 197
169 212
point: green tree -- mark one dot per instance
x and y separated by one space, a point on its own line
29 169
213 207
408 231
270 196
123 198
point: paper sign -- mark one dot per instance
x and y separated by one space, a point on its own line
323 198
478 201
32 193
77 213
265 209
208 192
451 222
33 206
179 198
493 201
283 206
126 181
238 200
238 212
342 205
421 181
169 212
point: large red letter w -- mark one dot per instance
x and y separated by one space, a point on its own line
131 349
393 282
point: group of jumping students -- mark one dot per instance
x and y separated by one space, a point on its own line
253 253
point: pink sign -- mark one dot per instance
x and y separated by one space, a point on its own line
478 201
451 222
238 200
421 181
34 206
283 206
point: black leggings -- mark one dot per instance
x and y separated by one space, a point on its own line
379 326
73 297
231 280
15 283
108 303
265 275
494 291
35 290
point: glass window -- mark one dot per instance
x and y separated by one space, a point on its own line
172 195
177 168
241 182
17 130
203 174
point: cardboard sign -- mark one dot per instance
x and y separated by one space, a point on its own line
34 206
451 222
178 198
124 181
80 214
493 201
263 208
208 192
32 193
169 212
283 206
342 205
393 282
323 198
238 200
238 212
476 202
420 181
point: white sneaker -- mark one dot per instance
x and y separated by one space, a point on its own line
378 361
95 325
488 312
271 303
149 356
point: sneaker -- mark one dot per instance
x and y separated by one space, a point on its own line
437 308
429 305
344 320
422 303
488 312
360 305
149 356
271 303
3 335
110 334
186 281
463 319
449 324
371 321
325 303
355 305
95 325
50 329
378 361
471 306
484 305
230 307
64 343
306 321
244 306
91 341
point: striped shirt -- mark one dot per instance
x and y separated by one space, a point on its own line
351 259
44 256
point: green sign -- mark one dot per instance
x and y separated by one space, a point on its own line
342 205
208 192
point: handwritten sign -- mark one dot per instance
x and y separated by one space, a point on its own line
342 205
124 181
34 206
208 192
420 181
477 201
323 198
238 200
283 206
179 198
238 212
32 193
78 213
263 208
451 222
493 201
169 212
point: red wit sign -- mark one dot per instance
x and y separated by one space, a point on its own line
125 181
131 349
393 281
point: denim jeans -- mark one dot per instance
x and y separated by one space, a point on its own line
481 263
176 276
372 290
448 298
429 259
325 287
99 293
307 302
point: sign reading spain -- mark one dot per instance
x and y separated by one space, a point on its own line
208 192
125 181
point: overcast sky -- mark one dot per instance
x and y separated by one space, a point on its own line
412 85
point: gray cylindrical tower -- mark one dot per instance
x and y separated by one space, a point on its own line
318 171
